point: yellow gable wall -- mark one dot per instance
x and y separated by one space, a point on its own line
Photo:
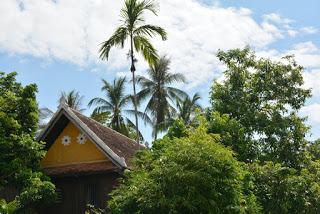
59 154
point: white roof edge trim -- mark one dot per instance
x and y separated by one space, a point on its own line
120 161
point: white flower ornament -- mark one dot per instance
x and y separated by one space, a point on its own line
66 140
81 139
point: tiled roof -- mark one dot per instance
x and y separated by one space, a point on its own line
81 168
118 143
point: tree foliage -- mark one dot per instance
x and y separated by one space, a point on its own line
281 189
264 97
72 98
187 107
115 101
20 153
110 110
178 129
133 29
314 149
193 174
232 134
159 92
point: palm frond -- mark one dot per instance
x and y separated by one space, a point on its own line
117 39
100 101
73 99
125 100
101 109
176 93
142 115
144 82
143 45
177 77
45 113
151 30
131 124
150 5
143 94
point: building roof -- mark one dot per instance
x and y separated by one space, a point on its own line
117 147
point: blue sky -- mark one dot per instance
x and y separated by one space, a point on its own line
55 43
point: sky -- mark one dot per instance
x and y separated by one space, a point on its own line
54 43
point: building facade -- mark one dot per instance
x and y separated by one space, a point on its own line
84 160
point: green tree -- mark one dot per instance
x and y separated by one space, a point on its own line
314 149
8 208
264 97
102 117
113 106
193 174
232 134
157 88
177 129
134 29
18 125
186 108
285 190
72 98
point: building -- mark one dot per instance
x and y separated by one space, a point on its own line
84 160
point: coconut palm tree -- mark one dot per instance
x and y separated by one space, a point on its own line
72 98
134 29
186 108
115 101
161 95
113 105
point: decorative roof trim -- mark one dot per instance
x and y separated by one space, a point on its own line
64 109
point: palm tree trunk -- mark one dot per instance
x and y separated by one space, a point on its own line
156 132
133 69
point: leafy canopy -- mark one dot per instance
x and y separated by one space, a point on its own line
157 89
110 110
187 107
18 125
115 101
282 189
193 174
264 97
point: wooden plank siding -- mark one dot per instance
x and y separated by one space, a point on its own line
77 191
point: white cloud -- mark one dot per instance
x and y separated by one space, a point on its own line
292 33
307 54
309 30
72 30
272 29
311 79
67 30
277 19
313 113
285 25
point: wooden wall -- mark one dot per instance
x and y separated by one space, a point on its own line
77 191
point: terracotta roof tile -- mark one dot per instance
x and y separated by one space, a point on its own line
118 143
81 168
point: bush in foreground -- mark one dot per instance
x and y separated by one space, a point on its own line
193 174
